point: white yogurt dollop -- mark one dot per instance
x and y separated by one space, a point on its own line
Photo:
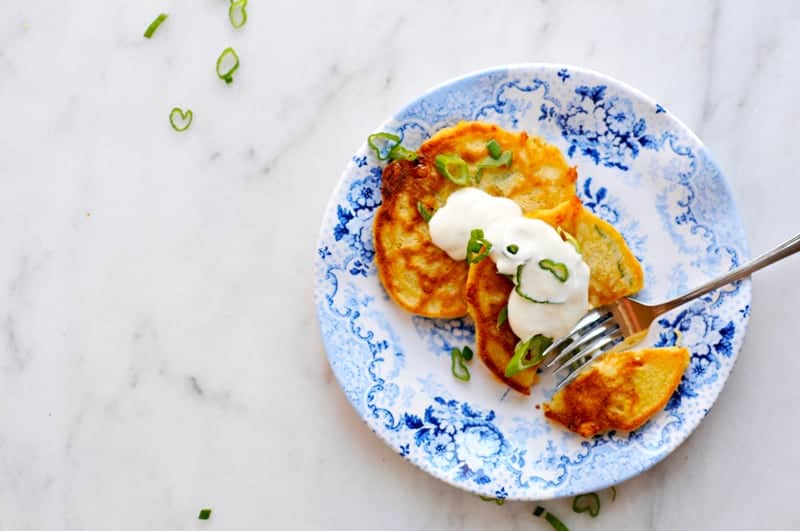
519 245
467 209
567 301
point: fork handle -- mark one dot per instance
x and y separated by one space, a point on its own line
780 252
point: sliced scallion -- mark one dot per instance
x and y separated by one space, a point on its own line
180 120
553 520
558 269
512 248
239 6
457 366
478 247
502 317
400 153
453 168
424 212
498 501
518 287
387 140
205 514
467 354
227 74
148 33
494 149
502 160
527 354
589 502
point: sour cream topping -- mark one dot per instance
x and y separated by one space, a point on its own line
525 249
467 209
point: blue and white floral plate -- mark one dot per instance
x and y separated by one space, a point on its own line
640 169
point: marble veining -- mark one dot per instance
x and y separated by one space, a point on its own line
159 351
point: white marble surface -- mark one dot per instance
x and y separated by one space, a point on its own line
159 351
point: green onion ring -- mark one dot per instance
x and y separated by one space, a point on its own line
589 502
558 269
457 366
242 6
518 288
187 116
444 163
227 76
392 141
521 360
478 247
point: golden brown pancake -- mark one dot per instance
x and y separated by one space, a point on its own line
539 176
619 391
419 276
487 295
602 247
614 271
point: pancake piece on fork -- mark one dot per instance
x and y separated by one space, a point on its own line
620 391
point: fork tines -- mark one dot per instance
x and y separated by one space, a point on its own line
596 332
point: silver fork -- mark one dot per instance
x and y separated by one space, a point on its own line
606 326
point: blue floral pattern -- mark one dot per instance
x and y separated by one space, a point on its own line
634 159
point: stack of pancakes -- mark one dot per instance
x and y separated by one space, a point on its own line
424 280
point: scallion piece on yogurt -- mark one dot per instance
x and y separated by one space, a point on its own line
478 247
558 269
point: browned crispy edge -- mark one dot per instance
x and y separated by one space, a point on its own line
416 181
483 278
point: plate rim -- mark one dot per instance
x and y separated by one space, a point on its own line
745 285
